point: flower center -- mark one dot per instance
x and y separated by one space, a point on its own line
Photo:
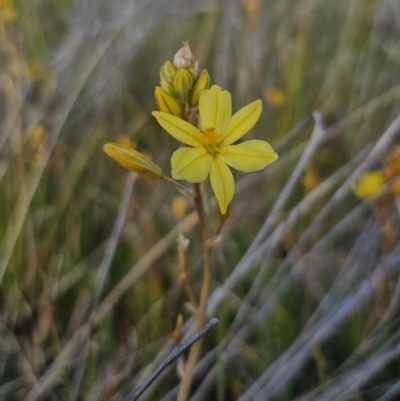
209 135
210 139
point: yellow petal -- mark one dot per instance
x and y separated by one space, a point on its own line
215 108
241 123
191 164
179 129
222 184
248 156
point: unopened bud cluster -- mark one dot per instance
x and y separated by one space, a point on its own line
179 93
181 83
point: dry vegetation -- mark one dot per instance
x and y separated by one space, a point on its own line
306 276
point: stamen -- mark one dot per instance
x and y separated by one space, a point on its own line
211 139
210 136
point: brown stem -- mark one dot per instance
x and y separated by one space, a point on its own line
222 221
198 201
205 291
190 294
183 277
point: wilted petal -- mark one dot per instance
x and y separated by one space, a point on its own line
179 129
191 164
248 156
222 184
241 123
215 108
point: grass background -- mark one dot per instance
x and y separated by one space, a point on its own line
306 276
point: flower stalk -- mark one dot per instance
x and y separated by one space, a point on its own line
200 311
183 98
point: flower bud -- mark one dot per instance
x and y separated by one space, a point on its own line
183 82
167 103
165 84
201 84
133 160
168 70
194 69
167 73
184 57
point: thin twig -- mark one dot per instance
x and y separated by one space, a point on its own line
171 359
178 186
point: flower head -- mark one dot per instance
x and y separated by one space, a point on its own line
210 149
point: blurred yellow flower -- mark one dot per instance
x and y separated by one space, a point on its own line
179 206
8 14
310 179
275 97
125 140
210 148
33 69
369 184
38 136
252 6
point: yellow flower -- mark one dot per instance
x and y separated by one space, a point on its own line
210 149
369 184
